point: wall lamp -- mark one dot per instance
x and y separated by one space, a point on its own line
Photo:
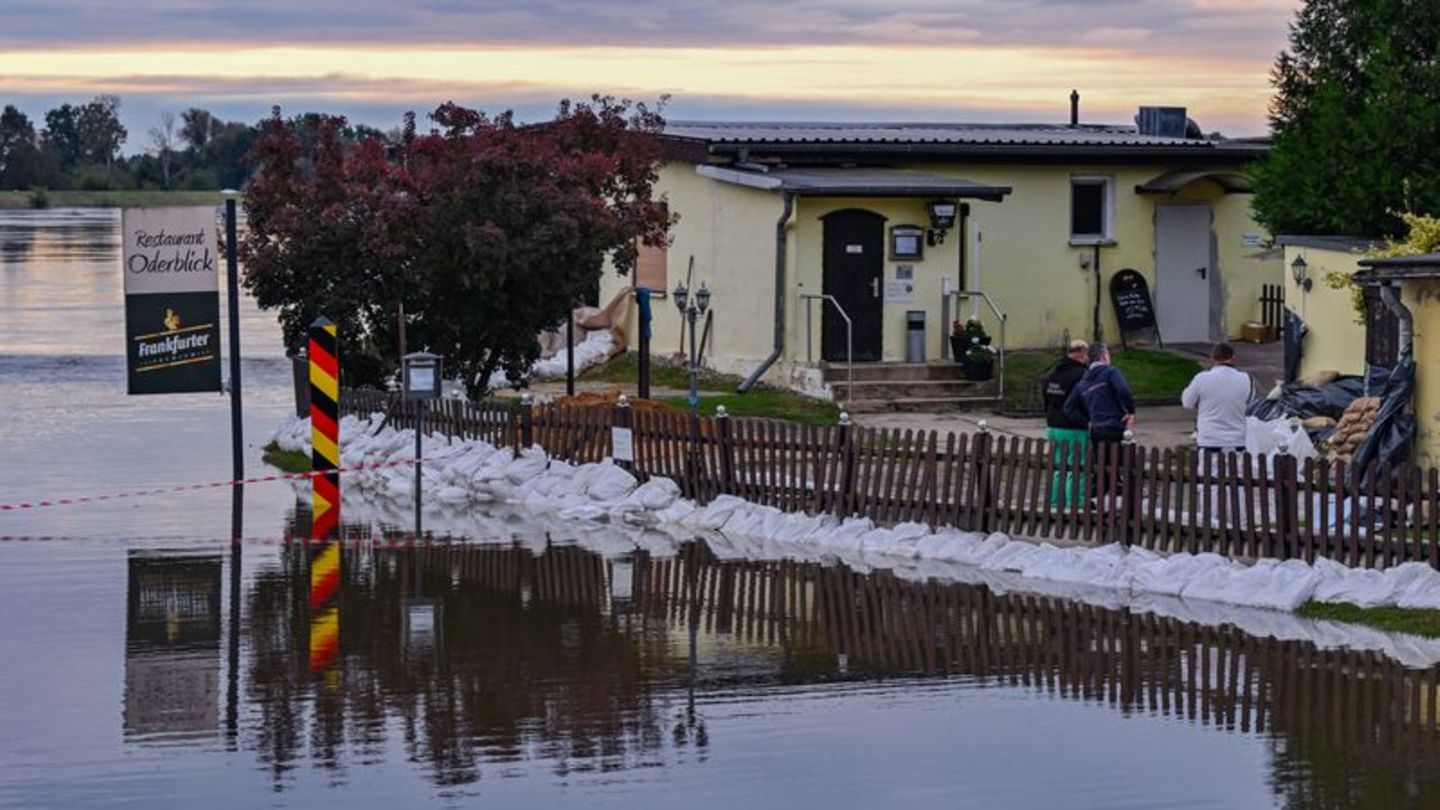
1299 270
942 219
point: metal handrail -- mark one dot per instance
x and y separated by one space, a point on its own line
849 338
1000 316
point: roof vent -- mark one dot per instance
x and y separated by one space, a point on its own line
1165 122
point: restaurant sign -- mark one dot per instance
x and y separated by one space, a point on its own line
172 299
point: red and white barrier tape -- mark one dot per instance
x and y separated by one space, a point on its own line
140 493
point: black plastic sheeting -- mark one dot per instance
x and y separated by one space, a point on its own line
1390 436
1389 439
1304 401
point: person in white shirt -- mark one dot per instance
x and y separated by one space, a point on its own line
1219 396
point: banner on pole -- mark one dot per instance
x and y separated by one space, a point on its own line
172 299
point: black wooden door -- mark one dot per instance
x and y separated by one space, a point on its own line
854 263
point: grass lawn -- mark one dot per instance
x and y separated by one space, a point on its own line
768 403
1153 375
291 461
1415 621
110 199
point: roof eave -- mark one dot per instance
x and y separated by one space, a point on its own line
1201 151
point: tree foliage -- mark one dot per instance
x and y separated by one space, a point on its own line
1355 119
487 231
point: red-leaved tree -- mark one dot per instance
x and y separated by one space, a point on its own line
487 231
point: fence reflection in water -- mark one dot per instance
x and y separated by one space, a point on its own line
567 656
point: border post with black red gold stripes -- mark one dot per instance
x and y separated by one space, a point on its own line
324 427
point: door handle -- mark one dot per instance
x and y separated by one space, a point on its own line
875 287
1201 272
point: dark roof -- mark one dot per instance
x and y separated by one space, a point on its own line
1418 266
856 182
945 138
1231 181
1341 244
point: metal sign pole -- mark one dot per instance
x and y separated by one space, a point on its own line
419 454
232 283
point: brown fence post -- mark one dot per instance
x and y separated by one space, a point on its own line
844 495
1129 490
726 449
1287 509
981 479
527 422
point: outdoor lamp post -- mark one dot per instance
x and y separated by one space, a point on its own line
1299 270
691 310
421 371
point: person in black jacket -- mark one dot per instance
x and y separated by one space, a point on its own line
1069 436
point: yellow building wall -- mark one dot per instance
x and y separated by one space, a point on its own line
730 232
1336 337
1025 260
1423 300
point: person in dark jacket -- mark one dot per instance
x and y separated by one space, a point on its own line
1102 400
1070 436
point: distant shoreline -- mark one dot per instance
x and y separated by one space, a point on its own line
11 200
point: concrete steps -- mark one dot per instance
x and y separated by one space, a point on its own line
879 387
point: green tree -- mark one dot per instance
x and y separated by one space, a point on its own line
20 155
101 133
1355 119
197 127
62 133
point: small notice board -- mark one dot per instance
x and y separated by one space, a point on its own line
1134 309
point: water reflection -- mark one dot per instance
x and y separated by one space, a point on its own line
471 659
172 645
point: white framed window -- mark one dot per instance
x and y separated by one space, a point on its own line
1092 209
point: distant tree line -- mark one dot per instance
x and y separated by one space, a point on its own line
78 146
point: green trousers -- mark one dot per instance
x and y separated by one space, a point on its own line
1067 487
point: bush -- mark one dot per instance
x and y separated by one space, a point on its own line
39 198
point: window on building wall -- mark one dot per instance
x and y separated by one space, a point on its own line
650 267
1091 209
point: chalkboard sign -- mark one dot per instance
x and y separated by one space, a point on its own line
1131 297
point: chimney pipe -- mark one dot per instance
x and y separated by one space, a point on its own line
1074 108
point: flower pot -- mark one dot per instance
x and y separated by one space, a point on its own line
977 371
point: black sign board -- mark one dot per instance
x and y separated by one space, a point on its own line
172 300
1131 297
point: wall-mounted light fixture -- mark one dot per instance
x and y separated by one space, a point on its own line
942 219
1299 270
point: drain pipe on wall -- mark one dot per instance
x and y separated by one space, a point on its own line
1094 266
1406 332
786 211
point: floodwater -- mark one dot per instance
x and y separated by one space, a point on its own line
146 661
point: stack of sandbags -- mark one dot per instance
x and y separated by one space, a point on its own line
1353 426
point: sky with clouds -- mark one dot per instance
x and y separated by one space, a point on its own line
956 60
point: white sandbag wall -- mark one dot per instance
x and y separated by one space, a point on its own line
467 472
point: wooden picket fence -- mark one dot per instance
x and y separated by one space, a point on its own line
1170 500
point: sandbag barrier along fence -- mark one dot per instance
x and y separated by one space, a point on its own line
1171 500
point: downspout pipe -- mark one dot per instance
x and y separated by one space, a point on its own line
780 240
1390 296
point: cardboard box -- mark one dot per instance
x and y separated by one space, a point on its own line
1253 332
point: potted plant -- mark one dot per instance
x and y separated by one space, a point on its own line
970 346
